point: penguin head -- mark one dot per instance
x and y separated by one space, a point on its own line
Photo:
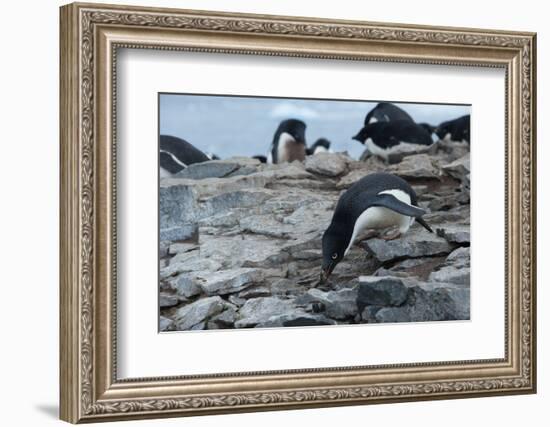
335 242
442 130
295 128
321 145
322 142
362 135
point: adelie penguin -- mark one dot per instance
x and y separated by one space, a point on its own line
386 112
455 130
322 145
386 138
176 154
376 202
289 142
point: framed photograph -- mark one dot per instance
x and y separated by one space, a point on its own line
266 212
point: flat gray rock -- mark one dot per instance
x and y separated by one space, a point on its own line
167 300
166 324
185 285
227 281
423 306
455 269
178 206
419 268
176 248
224 320
416 166
381 291
459 169
327 164
454 233
260 310
193 316
179 233
211 169
341 304
415 243
401 154
296 318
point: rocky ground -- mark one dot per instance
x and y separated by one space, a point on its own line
240 245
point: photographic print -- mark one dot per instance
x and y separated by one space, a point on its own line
279 212
198 213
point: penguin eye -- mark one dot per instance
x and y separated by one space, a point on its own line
335 255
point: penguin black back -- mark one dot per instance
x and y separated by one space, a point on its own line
321 145
387 112
176 154
389 134
372 185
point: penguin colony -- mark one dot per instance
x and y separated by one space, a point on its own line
379 204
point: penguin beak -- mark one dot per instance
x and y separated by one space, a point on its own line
357 138
326 271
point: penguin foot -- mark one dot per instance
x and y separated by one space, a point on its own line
366 235
391 235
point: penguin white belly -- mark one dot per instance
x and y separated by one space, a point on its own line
320 149
379 217
284 147
375 149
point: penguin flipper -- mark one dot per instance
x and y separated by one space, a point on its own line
391 202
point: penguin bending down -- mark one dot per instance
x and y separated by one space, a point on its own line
322 145
386 112
455 130
377 201
289 142
385 138
176 154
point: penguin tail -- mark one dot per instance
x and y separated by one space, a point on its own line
424 224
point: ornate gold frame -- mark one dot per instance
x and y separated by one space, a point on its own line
90 36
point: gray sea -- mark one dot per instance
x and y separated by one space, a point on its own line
244 126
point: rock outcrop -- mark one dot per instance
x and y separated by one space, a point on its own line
240 245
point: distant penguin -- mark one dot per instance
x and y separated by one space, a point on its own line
176 154
322 145
262 159
455 130
386 112
375 202
384 138
289 142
